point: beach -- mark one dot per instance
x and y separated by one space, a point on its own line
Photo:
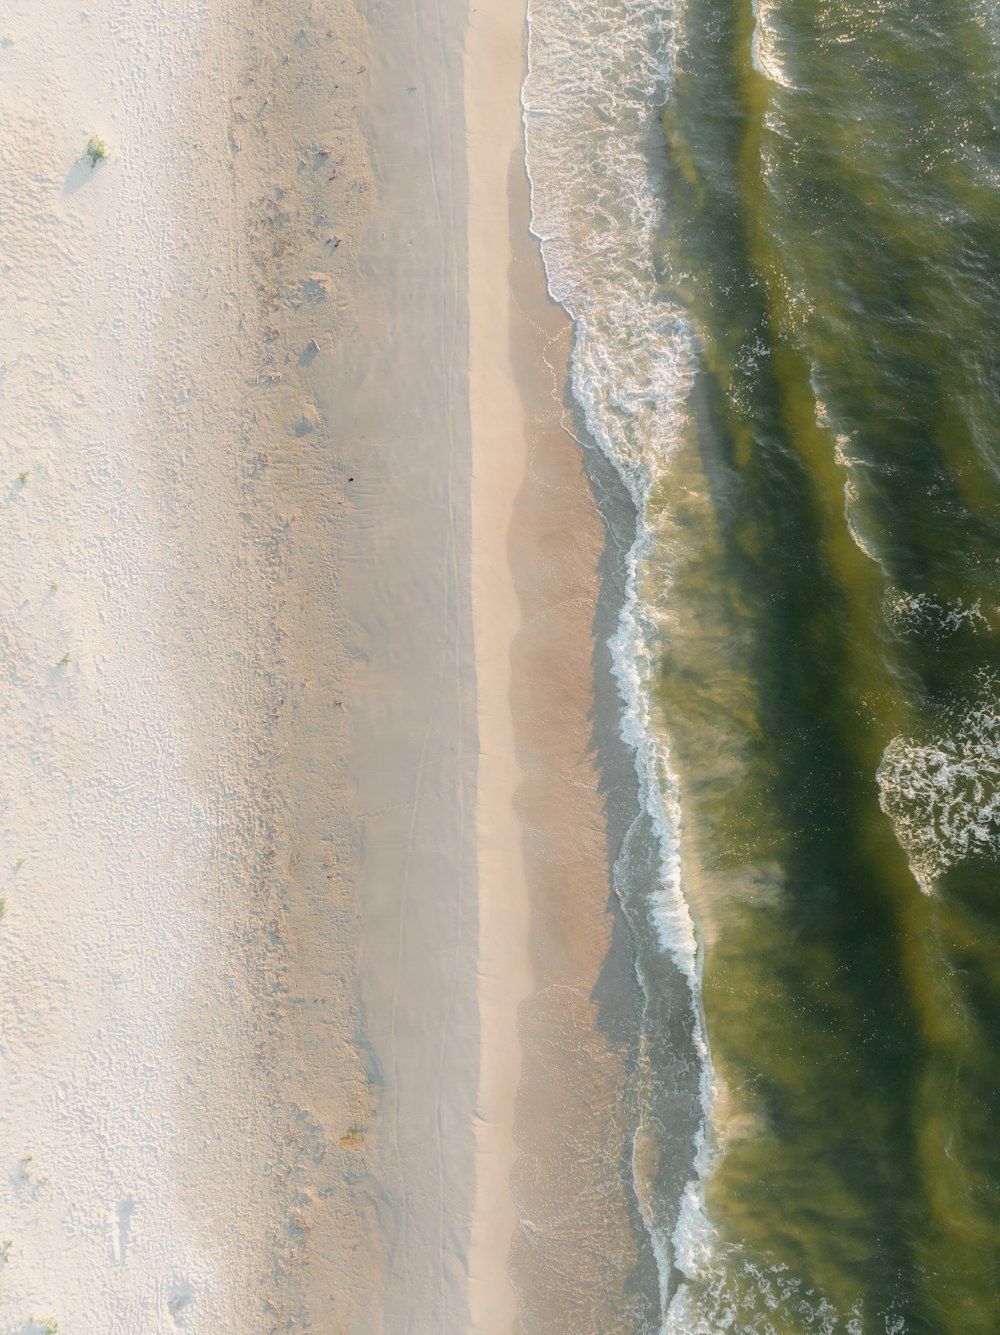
175 1003
305 827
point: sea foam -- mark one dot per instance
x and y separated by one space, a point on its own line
764 45
943 794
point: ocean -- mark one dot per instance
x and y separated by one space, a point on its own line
776 227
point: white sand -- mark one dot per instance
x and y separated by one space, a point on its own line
158 1066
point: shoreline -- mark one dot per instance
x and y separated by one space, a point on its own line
580 1273
559 999
307 515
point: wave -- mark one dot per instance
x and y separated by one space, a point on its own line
943 794
764 46
827 599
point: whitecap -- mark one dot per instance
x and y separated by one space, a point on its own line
764 46
943 794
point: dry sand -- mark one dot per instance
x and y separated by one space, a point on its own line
184 1091
304 838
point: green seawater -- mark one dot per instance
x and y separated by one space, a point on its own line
829 536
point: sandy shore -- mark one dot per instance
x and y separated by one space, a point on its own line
308 794
500 418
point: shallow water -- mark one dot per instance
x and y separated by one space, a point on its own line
777 228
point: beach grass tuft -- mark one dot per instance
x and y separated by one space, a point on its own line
97 150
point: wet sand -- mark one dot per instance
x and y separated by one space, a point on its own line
558 1245
580 1260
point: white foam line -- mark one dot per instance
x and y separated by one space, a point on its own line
630 374
762 48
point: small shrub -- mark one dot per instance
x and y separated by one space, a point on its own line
63 661
23 479
97 150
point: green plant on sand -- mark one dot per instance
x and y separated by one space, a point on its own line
97 149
